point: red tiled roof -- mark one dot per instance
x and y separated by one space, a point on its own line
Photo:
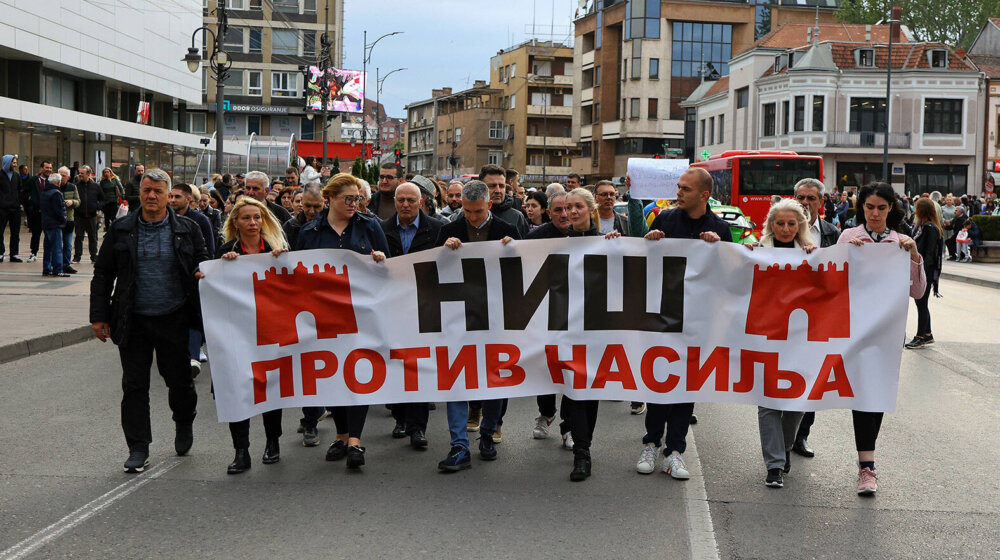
721 85
793 35
905 56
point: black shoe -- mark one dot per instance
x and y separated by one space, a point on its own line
774 479
417 440
788 462
337 451
694 420
62 275
241 463
458 459
13 259
581 465
272 452
70 270
137 461
76 260
917 342
355 456
801 447
487 449
928 339
938 294
399 432
183 438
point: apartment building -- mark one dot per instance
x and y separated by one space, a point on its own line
639 59
985 54
822 90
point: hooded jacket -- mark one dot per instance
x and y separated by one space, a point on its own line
10 185
53 207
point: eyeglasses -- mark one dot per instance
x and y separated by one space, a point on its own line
405 200
386 177
353 199
606 195
802 197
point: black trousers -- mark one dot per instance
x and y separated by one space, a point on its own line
804 426
581 417
310 416
676 418
241 430
546 405
34 220
167 336
923 312
86 226
350 420
110 209
866 428
413 416
10 217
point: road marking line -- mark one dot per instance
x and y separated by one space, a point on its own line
57 529
701 532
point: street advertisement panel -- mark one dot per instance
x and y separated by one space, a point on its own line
624 319
347 90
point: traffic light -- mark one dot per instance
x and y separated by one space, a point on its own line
399 156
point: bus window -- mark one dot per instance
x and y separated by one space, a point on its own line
767 176
722 185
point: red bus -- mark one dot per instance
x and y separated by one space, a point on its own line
748 179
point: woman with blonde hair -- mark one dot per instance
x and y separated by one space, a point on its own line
582 208
249 230
787 222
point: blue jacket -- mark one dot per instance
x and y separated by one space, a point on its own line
363 235
53 207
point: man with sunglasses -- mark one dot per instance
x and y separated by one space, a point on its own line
382 202
256 187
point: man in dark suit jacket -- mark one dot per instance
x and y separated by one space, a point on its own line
410 230
476 223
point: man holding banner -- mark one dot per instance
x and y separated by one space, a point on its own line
691 219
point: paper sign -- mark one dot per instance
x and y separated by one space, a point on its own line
655 179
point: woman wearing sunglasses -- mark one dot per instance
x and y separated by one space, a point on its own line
341 226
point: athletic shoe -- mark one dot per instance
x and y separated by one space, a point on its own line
567 440
458 459
195 368
70 270
76 260
13 259
337 451
542 424
355 456
774 479
137 462
694 419
867 482
475 416
929 339
61 275
917 342
674 466
33 258
647 460
637 409
498 435
487 448
310 437
202 356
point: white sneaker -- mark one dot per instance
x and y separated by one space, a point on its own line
636 410
202 356
195 368
542 424
568 440
32 258
675 467
647 461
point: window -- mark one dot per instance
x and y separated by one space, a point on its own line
695 45
867 114
636 68
308 43
496 130
512 101
634 109
865 58
253 124
818 112
702 135
254 83
653 108
284 41
513 70
642 19
654 69
284 84
286 6
440 137
711 131
742 97
309 6
942 116
769 110
494 157
256 5
597 76
800 113
233 41
235 4
938 58
255 41
458 135
197 123
233 84
784 117
722 128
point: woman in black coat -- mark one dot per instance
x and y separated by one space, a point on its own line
928 235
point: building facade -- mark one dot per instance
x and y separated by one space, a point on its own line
822 91
985 54
639 59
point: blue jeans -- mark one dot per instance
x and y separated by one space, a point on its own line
194 343
458 420
52 260
67 246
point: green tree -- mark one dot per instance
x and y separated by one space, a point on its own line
945 21
398 145
336 165
358 168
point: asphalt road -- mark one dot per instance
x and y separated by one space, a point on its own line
63 495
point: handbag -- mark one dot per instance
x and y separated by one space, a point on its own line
122 208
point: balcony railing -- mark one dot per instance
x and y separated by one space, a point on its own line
550 141
844 139
550 110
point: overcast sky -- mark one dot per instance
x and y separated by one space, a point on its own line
445 43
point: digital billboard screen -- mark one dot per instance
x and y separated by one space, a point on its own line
347 91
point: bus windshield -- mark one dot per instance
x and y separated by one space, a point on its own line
770 176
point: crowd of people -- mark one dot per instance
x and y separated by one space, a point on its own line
144 292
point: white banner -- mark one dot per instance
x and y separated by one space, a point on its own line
624 319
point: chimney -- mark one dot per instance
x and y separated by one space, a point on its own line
960 53
897 15
479 83
446 91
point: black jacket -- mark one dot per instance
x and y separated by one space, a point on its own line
10 191
112 290
676 224
235 245
279 212
91 199
425 238
53 207
930 245
506 211
498 230
132 193
292 227
828 233
548 230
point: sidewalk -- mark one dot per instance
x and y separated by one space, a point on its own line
980 274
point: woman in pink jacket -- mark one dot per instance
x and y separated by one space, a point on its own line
878 218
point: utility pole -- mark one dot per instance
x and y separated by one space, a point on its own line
894 19
221 73
325 45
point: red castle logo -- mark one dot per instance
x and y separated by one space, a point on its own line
822 294
280 297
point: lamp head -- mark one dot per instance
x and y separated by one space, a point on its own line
193 59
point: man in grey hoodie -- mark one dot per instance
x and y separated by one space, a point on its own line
10 205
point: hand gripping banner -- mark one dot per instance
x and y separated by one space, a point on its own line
622 319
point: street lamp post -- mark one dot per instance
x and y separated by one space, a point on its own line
378 93
888 102
366 55
220 64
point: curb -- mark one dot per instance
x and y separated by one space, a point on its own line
970 280
54 341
